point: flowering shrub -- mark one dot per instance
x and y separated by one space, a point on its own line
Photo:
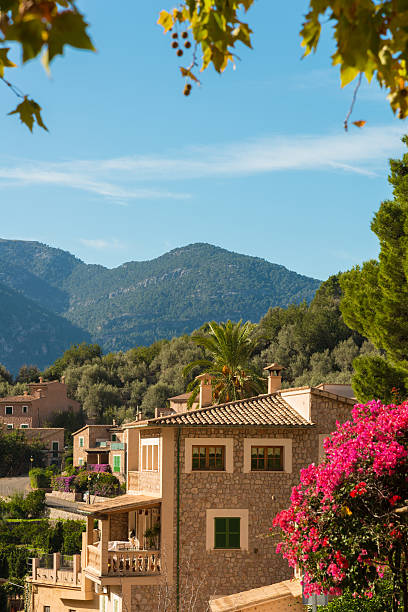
62 483
98 483
100 467
346 527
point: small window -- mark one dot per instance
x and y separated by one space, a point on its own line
208 458
9 410
150 457
81 442
114 437
116 463
80 461
227 532
47 608
267 458
55 449
9 425
24 409
24 426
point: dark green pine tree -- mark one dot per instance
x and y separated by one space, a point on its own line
375 296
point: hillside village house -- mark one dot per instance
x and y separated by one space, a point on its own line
32 410
101 444
202 489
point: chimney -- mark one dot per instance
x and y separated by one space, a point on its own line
205 390
41 380
114 422
63 380
25 393
274 378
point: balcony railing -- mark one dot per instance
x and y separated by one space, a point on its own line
57 569
127 562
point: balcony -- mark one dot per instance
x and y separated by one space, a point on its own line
127 541
125 562
63 570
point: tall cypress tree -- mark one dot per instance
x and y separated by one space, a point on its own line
375 295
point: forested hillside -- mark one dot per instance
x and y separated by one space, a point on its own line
30 333
310 341
140 302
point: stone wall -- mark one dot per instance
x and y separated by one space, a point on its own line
146 598
119 526
149 482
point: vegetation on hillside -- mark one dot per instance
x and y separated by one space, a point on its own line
311 342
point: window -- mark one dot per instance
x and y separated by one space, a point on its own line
9 410
81 442
208 458
227 528
114 437
269 458
80 461
47 608
55 449
9 425
267 455
227 532
24 409
116 463
24 426
150 455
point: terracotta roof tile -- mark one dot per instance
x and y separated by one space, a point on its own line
269 410
19 398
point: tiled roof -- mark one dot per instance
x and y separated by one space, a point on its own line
181 398
19 398
122 503
263 410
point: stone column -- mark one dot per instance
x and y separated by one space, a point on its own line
36 563
104 546
56 565
76 567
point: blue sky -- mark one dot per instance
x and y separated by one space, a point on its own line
255 161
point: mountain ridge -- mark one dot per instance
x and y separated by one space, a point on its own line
138 302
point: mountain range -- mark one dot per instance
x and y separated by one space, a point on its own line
51 299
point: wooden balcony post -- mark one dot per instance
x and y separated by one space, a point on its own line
104 546
36 563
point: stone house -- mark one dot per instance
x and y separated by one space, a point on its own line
105 444
32 411
203 487
37 406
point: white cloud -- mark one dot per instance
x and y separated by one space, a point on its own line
128 178
100 244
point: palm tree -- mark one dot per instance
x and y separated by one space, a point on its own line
230 346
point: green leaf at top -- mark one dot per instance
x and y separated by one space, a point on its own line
30 112
68 28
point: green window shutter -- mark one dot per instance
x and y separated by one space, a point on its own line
116 463
227 532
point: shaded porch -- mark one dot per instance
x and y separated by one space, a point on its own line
126 541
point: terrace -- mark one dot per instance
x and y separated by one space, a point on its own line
127 540
64 570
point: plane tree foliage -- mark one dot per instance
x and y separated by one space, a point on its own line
370 36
